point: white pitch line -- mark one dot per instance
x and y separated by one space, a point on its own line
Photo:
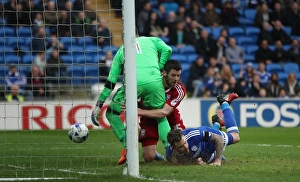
31 179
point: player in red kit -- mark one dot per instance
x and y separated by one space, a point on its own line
175 93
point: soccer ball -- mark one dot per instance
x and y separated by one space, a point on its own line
78 133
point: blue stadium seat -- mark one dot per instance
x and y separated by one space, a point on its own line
68 59
288 30
112 48
216 32
12 59
249 58
274 68
297 76
165 39
236 31
245 41
291 67
251 49
26 41
14 42
170 6
28 59
272 47
192 57
82 59
77 48
92 50
252 31
286 47
3 72
85 41
7 32
209 31
250 14
236 68
187 49
76 74
24 32
91 74
245 22
179 57
282 76
175 50
68 41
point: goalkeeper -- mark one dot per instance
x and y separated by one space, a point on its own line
149 87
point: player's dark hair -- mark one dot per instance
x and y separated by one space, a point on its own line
172 64
174 136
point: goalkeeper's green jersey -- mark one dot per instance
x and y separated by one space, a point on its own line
148 64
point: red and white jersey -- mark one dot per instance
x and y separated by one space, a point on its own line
174 96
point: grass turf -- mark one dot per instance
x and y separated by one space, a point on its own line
263 154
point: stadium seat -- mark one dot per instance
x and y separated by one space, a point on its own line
291 67
184 76
236 68
77 48
274 67
216 32
250 14
68 59
297 76
3 72
7 32
170 6
85 41
28 59
179 57
83 59
251 49
288 30
192 57
12 59
187 49
14 42
249 58
91 74
245 41
282 76
175 50
272 47
24 32
286 47
252 31
68 41
112 48
236 31
76 74
209 30
245 22
165 39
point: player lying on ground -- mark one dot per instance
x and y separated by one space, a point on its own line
149 87
204 145
175 93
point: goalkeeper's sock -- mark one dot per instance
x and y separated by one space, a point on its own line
229 118
117 126
216 126
163 130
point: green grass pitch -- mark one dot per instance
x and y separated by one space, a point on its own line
263 154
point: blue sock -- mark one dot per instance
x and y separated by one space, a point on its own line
216 126
229 119
159 157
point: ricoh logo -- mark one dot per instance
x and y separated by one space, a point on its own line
268 114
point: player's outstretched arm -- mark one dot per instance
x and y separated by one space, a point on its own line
156 113
218 140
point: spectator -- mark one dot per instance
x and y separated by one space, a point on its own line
278 13
55 43
282 94
225 87
64 24
212 63
180 37
103 34
279 34
195 31
291 86
253 4
28 11
154 27
104 66
37 22
215 88
61 4
171 21
293 18
265 34
36 82
210 17
226 73
55 68
247 76
40 61
14 95
263 53
39 43
14 77
229 15
162 15
236 87
69 9
262 92
182 15
143 17
279 55
220 49
51 17
82 25
205 45
255 86
234 53
273 87
264 75
90 12
294 52
224 33
262 15
209 78
195 13
10 12
78 5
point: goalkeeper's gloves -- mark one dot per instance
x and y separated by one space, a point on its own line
96 113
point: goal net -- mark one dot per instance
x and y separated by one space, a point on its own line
54 59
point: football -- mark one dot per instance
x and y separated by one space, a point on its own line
78 133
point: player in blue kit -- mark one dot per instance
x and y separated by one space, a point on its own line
204 145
